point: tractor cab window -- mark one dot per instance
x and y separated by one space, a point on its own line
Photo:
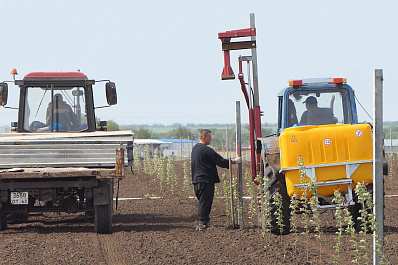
318 107
60 110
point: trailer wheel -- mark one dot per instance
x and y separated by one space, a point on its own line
276 184
17 218
103 219
3 221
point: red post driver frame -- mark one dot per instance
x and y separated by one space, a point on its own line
252 98
227 73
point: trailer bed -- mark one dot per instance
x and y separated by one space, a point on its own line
80 149
41 173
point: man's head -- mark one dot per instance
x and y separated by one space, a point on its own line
205 136
58 97
311 102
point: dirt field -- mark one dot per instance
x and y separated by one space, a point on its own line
161 231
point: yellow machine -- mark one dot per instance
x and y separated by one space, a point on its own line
334 156
318 127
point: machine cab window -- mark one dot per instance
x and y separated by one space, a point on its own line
57 109
315 108
317 104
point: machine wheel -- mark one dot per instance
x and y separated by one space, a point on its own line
3 221
385 164
17 218
103 213
103 219
354 210
276 184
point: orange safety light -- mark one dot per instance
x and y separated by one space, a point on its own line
339 80
295 82
14 71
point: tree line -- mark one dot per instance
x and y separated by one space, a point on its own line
191 132
219 131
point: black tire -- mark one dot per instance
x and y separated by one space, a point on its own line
276 184
3 221
385 164
17 218
354 210
103 213
103 219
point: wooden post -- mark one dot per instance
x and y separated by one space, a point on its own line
119 167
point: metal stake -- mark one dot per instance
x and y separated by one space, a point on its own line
378 178
239 166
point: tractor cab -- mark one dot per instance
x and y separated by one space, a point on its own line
316 102
57 102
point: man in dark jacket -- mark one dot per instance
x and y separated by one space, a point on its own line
204 162
63 114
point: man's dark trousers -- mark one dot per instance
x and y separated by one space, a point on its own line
205 193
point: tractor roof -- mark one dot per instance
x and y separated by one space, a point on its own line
57 79
77 75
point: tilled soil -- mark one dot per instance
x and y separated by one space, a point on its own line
161 231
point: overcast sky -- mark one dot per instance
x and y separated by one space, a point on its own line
166 59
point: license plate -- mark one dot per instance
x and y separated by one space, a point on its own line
19 197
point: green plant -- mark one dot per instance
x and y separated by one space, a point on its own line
147 196
277 202
339 200
390 160
265 205
363 197
171 179
238 203
315 221
369 222
159 162
187 177
294 206
304 206
216 195
350 229
227 194
253 205
148 165
137 160
156 156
